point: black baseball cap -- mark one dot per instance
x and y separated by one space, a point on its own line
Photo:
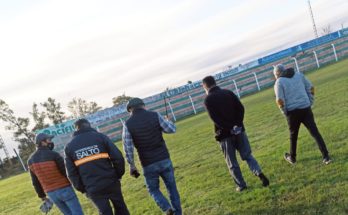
41 137
134 102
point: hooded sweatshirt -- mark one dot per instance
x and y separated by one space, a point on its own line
293 91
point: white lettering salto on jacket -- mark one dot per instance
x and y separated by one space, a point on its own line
88 151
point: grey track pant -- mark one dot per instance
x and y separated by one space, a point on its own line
241 144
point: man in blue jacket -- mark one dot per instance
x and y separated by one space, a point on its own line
95 166
294 97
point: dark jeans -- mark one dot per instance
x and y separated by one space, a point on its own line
241 144
163 169
66 200
114 194
305 116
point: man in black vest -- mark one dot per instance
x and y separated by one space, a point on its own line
227 113
143 130
95 166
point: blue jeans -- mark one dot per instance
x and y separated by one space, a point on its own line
66 200
165 170
241 144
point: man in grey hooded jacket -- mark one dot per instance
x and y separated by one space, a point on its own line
295 96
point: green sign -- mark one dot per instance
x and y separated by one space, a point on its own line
60 129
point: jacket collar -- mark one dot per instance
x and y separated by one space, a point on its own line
139 110
213 89
84 130
42 148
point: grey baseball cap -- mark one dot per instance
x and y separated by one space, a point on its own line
134 102
41 137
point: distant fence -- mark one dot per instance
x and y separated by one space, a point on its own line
246 79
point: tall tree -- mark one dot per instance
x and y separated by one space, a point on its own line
53 111
25 137
121 99
38 118
80 107
19 125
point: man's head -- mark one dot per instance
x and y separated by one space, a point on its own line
135 103
82 123
208 83
278 70
43 139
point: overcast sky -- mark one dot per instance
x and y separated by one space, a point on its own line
99 49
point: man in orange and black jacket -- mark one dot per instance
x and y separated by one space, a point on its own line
48 176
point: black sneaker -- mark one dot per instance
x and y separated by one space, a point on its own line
289 159
170 212
327 160
240 189
264 179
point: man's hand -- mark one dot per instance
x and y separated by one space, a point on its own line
134 172
167 118
236 130
46 206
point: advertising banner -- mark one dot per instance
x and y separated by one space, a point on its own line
344 32
301 47
321 40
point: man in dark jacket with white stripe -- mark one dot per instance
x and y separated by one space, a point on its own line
95 166
227 113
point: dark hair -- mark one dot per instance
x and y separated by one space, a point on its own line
82 123
209 81
138 106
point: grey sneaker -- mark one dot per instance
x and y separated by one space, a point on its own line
327 160
289 159
240 189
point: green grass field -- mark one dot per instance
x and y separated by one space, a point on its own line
203 180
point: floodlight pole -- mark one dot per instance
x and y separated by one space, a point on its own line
313 20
